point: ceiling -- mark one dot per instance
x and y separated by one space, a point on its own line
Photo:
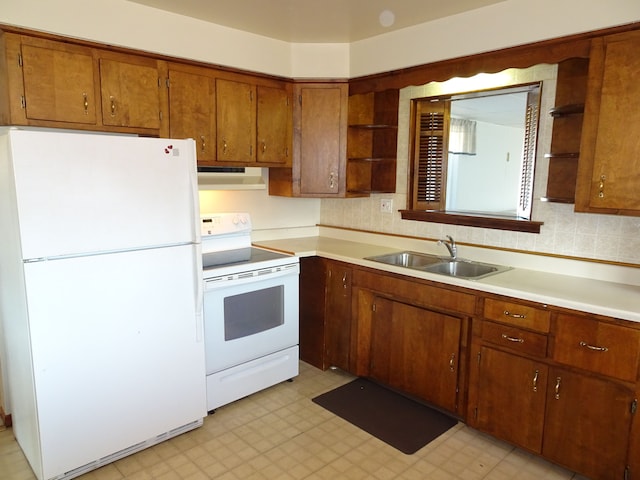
317 21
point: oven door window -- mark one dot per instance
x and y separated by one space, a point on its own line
253 312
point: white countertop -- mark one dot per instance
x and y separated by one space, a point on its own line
618 300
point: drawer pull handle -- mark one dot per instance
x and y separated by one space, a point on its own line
593 347
557 389
514 315
512 339
452 362
535 380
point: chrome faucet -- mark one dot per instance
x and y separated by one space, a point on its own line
451 246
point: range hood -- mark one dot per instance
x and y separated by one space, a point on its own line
230 178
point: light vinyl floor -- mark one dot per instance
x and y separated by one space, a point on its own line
280 434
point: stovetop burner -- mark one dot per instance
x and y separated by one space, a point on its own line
226 246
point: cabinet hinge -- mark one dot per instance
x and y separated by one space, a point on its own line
20 60
634 406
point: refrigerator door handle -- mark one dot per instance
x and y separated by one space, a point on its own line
199 292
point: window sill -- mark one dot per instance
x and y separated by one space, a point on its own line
470 220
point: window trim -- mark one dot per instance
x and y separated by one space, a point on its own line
421 138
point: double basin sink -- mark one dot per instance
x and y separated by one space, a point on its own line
452 267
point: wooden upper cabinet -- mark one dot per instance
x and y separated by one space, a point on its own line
236 121
609 150
273 118
192 111
130 90
320 127
50 82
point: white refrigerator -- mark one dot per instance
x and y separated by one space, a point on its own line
100 295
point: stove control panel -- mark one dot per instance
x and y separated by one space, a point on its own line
224 223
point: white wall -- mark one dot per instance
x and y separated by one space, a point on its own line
501 25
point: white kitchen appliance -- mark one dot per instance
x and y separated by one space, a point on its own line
101 295
250 311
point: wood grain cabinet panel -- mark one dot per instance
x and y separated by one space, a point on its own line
192 110
511 397
274 123
519 340
517 314
50 83
596 346
417 351
609 153
130 89
587 424
235 121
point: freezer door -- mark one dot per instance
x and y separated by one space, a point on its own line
117 347
80 193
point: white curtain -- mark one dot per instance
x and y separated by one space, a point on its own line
462 136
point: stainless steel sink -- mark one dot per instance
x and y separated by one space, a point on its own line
440 265
407 259
465 269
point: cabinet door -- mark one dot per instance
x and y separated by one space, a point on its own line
337 325
273 125
320 139
587 424
417 351
59 82
130 92
236 121
610 152
312 301
192 111
511 397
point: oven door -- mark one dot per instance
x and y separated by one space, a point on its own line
249 316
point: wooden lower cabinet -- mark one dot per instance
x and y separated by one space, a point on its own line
572 402
337 315
511 397
416 350
325 313
587 424
312 300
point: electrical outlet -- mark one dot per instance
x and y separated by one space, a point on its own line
386 205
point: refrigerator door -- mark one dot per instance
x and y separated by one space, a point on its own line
118 355
80 193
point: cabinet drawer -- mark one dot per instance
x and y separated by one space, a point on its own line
596 346
517 314
520 340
